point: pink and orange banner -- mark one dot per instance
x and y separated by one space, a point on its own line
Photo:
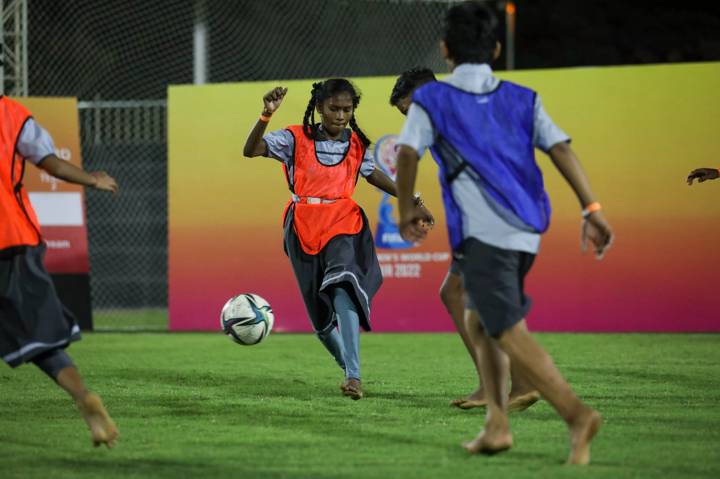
60 206
638 131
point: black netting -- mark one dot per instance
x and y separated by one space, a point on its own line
118 58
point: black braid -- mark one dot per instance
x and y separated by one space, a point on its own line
309 127
365 140
324 90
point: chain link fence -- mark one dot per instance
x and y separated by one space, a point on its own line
119 58
127 233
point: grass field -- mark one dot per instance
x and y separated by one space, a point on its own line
197 405
134 320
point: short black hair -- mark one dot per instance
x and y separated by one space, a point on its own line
470 33
408 81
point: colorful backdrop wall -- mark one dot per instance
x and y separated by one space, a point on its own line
638 131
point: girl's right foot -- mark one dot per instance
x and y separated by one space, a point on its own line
352 388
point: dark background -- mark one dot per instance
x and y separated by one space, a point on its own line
102 49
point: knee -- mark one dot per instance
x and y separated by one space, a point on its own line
326 331
52 362
510 339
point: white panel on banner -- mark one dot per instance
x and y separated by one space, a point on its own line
58 209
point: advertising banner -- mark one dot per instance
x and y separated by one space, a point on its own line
60 206
637 131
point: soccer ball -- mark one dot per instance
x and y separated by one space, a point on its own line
247 319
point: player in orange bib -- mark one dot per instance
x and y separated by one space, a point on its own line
327 237
34 325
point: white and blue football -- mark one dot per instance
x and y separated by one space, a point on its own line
247 319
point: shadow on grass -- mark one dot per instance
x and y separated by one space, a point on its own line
160 468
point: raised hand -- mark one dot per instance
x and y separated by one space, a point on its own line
273 99
702 174
597 231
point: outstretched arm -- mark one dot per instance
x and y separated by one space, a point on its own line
382 181
71 173
255 145
703 174
595 228
411 218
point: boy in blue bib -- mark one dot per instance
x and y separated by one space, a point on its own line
482 133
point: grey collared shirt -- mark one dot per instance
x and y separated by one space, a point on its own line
281 146
479 219
35 143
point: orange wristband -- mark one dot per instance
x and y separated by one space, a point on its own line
265 118
591 208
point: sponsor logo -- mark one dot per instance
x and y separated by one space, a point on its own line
387 234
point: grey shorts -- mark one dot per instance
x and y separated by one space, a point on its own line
494 280
32 318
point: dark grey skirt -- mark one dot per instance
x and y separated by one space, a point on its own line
347 261
32 318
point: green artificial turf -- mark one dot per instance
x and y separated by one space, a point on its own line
197 405
142 320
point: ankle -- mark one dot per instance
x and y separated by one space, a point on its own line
80 397
579 414
521 390
496 420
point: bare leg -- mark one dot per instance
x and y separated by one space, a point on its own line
102 427
535 364
452 295
495 436
522 393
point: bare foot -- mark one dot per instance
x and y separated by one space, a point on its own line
476 399
102 427
582 431
352 388
489 443
520 402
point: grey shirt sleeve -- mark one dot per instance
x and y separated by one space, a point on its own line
368 163
35 143
417 132
280 145
546 133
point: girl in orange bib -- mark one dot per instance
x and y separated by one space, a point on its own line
327 236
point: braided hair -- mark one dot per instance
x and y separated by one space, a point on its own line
321 91
470 33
